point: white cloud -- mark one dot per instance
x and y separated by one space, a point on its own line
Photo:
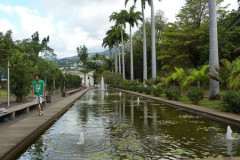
71 23
5 25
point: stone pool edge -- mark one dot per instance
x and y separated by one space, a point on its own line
58 110
212 114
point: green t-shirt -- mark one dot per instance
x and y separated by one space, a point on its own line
38 87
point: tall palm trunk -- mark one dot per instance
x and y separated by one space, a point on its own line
144 47
123 60
213 45
110 53
131 55
119 61
154 72
116 61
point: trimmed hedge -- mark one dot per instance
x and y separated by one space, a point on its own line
157 91
148 90
173 93
231 101
195 95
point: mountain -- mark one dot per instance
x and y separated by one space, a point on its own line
70 63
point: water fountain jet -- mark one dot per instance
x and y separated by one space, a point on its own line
229 133
102 85
81 139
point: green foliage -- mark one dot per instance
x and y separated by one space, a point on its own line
231 101
110 78
173 93
223 73
195 95
25 63
82 54
71 81
173 79
157 91
235 76
147 90
140 89
199 76
149 82
6 45
22 76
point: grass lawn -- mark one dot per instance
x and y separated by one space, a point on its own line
3 94
212 104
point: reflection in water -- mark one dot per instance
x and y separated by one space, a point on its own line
124 105
154 116
132 112
114 127
145 114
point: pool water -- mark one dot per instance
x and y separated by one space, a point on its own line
109 125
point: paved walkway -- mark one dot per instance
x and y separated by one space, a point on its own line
18 134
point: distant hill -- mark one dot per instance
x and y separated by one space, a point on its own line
70 63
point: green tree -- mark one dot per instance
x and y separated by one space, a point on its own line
133 18
235 76
33 47
223 73
6 47
82 52
199 76
154 61
22 76
213 45
115 34
108 41
143 4
120 20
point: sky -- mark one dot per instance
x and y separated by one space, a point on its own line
71 23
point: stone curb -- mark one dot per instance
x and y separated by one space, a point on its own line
216 115
212 114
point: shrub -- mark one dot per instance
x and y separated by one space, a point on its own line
195 95
140 89
173 93
113 79
231 101
130 88
157 91
148 90
149 82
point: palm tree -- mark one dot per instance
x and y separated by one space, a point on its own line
133 18
115 35
143 4
83 57
213 45
121 19
108 42
196 76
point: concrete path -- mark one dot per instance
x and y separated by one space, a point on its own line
16 137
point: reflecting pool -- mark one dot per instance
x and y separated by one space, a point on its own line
110 125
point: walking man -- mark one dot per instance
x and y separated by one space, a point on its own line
38 91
